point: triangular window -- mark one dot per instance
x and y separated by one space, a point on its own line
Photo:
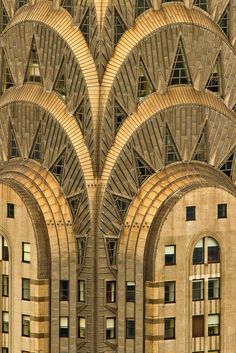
79 115
200 153
141 6
74 204
33 72
21 3
84 27
68 6
224 21
14 150
202 4
144 171
81 249
145 86
7 79
122 205
227 167
119 28
60 84
120 115
58 167
171 153
214 81
111 250
180 73
36 151
4 20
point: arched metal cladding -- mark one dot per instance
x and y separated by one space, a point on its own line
32 114
58 48
30 179
129 12
141 143
138 240
175 22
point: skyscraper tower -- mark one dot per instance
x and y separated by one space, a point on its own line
117 176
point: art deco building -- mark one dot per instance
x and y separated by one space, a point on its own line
117 176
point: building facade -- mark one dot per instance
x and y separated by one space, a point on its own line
117 176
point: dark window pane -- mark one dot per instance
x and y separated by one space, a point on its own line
213 288
169 328
130 328
170 292
198 289
213 254
25 288
170 255
111 292
198 326
130 292
190 213
10 210
222 211
64 290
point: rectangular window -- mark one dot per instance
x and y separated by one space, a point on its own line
25 289
26 325
5 321
5 285
110 328
64 326
198 325
25 252
5 251
169 324
111 292
81 327
130 291
81 291
170 292
64 290
4 350
213 325
222 210
213 251
170 258
190 213
10 210
213 288
198 253
130 328
198 289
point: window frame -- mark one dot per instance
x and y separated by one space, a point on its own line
130 292
196 318
81 298
24 252
10 210
166 320
81 328
222 211
64 330
5 285
201 280
132 335
217 289
25 324
5 323
165 291
170 263
108 337
23 289
110 293
213 326
190 216
64 291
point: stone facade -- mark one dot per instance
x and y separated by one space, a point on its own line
117 174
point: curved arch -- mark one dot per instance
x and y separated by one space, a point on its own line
43 12
154 104
150 206
30 177
150 22
50 101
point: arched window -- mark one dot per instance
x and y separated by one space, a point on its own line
206 251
